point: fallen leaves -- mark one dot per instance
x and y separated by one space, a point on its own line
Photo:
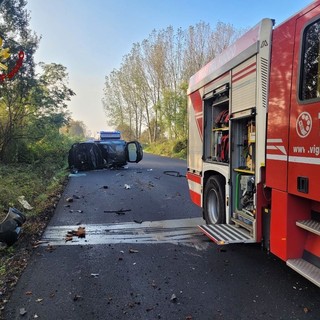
37 243
50 248
80 233
305 310
68 238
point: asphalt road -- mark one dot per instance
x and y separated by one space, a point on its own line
143 258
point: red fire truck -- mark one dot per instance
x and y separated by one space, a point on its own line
254 141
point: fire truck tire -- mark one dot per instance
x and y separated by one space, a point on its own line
214 195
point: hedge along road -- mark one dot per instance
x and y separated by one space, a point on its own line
143 257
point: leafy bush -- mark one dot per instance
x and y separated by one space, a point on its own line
180 146
36 178
174 149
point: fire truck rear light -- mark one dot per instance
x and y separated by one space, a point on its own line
303 184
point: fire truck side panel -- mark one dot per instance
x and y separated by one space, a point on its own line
195 115
292 160
286 239
223 79
304 145
195 131
262 96
279 106
244 85
313 244
194 182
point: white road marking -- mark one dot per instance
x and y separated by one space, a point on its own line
179 231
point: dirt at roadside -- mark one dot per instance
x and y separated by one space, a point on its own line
13 260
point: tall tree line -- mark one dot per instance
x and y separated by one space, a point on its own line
33 107
146 98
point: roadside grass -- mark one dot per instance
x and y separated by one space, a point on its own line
36 183
41 185
169 148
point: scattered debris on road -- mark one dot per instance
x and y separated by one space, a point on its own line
173 298
173 173
80 233
121 211
23 311
94 275
76 297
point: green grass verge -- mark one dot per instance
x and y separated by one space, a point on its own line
36 183
173 149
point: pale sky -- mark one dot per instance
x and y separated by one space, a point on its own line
90 37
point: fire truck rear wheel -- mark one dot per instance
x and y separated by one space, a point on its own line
214 194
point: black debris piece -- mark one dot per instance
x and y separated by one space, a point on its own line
121 211
173 173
